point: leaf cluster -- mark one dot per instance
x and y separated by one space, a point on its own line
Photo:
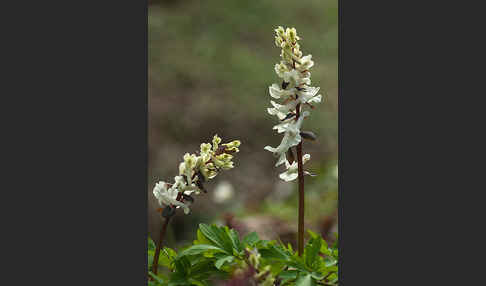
218 253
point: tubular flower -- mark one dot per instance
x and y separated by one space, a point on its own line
291 173
168 196
194 171
294 92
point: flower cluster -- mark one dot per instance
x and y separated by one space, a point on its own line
194 171
295 92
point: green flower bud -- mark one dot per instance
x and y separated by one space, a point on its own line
216 141
227 165
291 33
225 157
235 143
280 31
182 168
190 160
205 148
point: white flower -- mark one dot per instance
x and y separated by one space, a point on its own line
168 196
292 77
291 138
280 69
281 111
292 169
294 69
277 92
308 95
306 63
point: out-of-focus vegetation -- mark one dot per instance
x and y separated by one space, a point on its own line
210 65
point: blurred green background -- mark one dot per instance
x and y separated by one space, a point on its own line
210 65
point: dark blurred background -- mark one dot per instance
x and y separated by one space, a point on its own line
210 65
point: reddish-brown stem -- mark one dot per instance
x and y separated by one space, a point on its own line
155 263
300 237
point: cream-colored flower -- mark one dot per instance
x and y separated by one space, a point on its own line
295 92
291 138
280 110
292 169
308 95
277 92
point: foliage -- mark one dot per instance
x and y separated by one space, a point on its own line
219 253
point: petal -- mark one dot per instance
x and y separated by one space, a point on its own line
281 159
269 148
288 176
275 91
316 99
305 158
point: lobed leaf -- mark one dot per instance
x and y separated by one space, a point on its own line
219 263
306 280
198 249
250 239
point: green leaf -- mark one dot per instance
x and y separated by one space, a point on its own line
251 238
311 252
182 266
150 256
197 282
330 261
150 244
218 236
289 247
288 276
178 281
222 260
156 278
336 242
167 256
201 239
305 281
198 249
235 240
274 252
317 276
324 247
313 234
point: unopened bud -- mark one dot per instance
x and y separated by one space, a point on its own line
290 156
284 84
188 198
309 135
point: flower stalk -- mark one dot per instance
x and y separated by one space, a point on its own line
155 262
296 93
300 164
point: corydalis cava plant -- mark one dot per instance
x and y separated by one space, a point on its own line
294 93
194 171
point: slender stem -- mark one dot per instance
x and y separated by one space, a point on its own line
300 237
155 263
